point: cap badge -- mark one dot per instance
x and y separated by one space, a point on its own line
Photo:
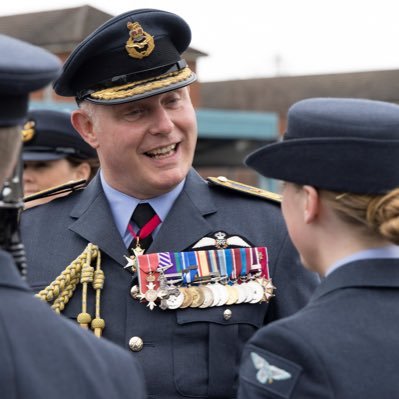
140 44
28 131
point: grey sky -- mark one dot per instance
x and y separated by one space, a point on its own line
262 38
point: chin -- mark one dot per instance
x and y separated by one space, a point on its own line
171 178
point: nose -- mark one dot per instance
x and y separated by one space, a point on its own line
161 122
27 175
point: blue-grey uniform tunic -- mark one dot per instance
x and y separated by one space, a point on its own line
44 355
190 353
342 345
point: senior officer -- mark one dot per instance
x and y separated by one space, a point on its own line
132 86
42 354
53 154
341 207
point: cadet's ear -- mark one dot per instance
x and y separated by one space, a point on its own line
82 171
82 122
312 204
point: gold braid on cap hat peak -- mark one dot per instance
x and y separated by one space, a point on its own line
62 288
142 86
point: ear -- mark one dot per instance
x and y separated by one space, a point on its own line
83 123
82 171
312 204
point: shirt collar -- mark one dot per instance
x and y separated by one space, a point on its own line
123 205
389 251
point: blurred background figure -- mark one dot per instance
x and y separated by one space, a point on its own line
53 154
43 355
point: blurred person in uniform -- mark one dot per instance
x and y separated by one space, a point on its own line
132 87
53 154
341 205
42 354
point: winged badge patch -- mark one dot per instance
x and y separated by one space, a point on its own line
267 373
221 240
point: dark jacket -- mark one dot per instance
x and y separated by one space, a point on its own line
343 344
184 350
43 355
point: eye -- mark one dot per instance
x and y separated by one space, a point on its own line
172 100
134 114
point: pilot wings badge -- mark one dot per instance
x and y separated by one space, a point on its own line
221 240
267 373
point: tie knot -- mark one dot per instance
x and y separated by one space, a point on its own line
143 214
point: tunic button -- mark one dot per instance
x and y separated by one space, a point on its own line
227 314
136 344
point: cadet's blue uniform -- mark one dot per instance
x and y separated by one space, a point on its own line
187 352
341 345
44 356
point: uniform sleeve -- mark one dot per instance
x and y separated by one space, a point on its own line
294 284
278 363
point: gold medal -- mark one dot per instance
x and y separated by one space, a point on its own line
208 297
197 297
137 250
268 287
232 294
188 299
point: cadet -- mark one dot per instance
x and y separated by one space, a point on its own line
42 354
53 153
341 205
132 86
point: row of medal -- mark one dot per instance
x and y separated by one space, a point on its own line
252 290
203 279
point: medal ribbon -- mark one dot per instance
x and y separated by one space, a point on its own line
146 230
190 267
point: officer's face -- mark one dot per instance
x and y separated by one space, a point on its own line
145 147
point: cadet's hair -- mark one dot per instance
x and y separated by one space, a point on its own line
376 215
10 142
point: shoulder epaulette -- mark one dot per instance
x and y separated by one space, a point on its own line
62 188
234 185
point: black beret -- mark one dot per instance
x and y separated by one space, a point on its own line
337 144
23 69
49 135
132 56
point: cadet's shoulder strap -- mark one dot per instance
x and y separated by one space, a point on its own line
222 181
62 188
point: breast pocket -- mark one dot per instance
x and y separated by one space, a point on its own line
207 346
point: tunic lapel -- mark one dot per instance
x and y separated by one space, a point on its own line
94 222
184 225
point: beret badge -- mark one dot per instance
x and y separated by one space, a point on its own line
140 44
28 131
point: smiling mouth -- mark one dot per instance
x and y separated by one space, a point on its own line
162 152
